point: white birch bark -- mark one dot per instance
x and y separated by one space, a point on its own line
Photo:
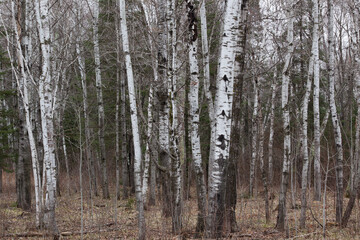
163 98
304 135
281 222
315 49
334 115
46 106
99 93
149 133
271 131
194 116
134 121
254 131
174 136
23 88
223 107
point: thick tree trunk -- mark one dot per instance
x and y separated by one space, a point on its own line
235 137
23 89
194 116
46 100
99 93
163 98
134 122
281 218
223 107
334 115
24 158
174 136
23 162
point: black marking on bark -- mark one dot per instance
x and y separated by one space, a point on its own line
192 21
221 138
225 78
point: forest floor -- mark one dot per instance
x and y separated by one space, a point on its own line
99 219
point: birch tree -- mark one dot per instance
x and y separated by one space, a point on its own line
24 158
254 133
271 132
304 135
281 218
334 115
100 102
315 49
149 132
23 88
235 137
46 106
194 116
174 136
163 106
223 107
134 121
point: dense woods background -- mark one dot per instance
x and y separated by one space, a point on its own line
200 116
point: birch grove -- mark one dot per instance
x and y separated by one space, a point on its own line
171 109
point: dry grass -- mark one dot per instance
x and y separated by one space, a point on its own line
99 219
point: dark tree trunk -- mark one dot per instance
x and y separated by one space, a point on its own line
235 139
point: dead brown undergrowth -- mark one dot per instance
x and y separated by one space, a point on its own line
99 219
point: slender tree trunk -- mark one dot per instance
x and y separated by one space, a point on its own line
254 133
334 115
150 108
304 135
262 164
117 108
315 49
88 151
125 163
356 184
194 116
223 107
271 131
99 93
134 122
152 196
208 94
281 218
